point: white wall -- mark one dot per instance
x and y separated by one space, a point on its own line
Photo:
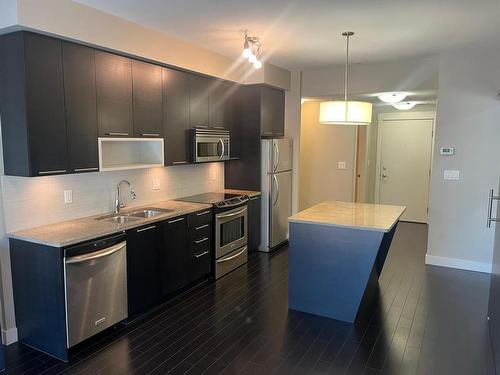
405 75
321 148
8 13
292 130
468 117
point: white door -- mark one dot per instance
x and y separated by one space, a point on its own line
405 151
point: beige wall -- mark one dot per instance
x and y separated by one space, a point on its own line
321 148
79 22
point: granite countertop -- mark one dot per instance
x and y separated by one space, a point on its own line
362 216
250 193
74 231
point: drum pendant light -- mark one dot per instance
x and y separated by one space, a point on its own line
345 112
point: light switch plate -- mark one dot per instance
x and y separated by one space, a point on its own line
342 165
68 196
451 174
156 184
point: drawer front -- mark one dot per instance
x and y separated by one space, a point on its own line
200 231
231 261
200 218
200 264
201 244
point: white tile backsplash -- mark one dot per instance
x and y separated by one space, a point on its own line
33 201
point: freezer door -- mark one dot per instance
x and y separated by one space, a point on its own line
281 207
281 155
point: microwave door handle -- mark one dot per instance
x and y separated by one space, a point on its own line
222 148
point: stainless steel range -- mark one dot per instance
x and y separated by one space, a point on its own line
231 227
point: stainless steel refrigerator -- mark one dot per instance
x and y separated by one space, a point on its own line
276 192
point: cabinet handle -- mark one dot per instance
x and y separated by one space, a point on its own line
86 169
117 133
218 127
176 220
202 213
254 198
179 162
54 171
147 228
201 227
201 241
201 126
267 133
202 254
150 134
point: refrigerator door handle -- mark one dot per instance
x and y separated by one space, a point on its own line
276 156
275 179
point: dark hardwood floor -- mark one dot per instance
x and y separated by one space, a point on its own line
427 320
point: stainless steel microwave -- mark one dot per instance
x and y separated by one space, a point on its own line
210 145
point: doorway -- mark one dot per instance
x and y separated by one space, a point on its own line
404 159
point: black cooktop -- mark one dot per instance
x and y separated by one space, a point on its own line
218 199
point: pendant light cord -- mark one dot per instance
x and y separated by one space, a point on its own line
347 34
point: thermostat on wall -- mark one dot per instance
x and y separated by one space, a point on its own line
447 151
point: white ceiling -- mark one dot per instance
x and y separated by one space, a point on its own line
306 34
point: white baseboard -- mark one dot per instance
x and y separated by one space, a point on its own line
461 264
9 336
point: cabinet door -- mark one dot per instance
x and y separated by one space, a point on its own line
266 112
176 123
143 267
81 109
220 106
147 97
114 94
175 256
45 105
254 223
198 100
278 112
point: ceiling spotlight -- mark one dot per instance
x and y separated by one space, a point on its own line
247 52
252 59
257 64
404 106
392 97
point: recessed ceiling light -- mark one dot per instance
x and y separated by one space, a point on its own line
392 97
403 106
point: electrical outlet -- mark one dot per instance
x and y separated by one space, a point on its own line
214 176
342 165
451 174
68 196
156 184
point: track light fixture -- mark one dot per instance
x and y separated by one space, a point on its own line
251 50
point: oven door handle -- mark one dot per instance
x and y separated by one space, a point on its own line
219 216
232 257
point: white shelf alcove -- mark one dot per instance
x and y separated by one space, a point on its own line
130 153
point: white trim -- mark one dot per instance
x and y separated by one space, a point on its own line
462 264
9 336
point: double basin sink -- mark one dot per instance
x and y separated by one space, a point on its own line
127 217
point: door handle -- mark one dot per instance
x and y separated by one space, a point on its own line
145 229
233 256
176 220
384 175
275 179
96 254
222 148
492 198
232 214
276 158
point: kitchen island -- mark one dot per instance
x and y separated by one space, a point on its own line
336 254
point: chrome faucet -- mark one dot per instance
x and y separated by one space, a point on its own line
119 203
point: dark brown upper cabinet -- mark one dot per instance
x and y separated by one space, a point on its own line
199 92
272 112
32 105
114 94
220 105
176 124
147 97
81 108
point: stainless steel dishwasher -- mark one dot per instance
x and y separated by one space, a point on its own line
95 286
